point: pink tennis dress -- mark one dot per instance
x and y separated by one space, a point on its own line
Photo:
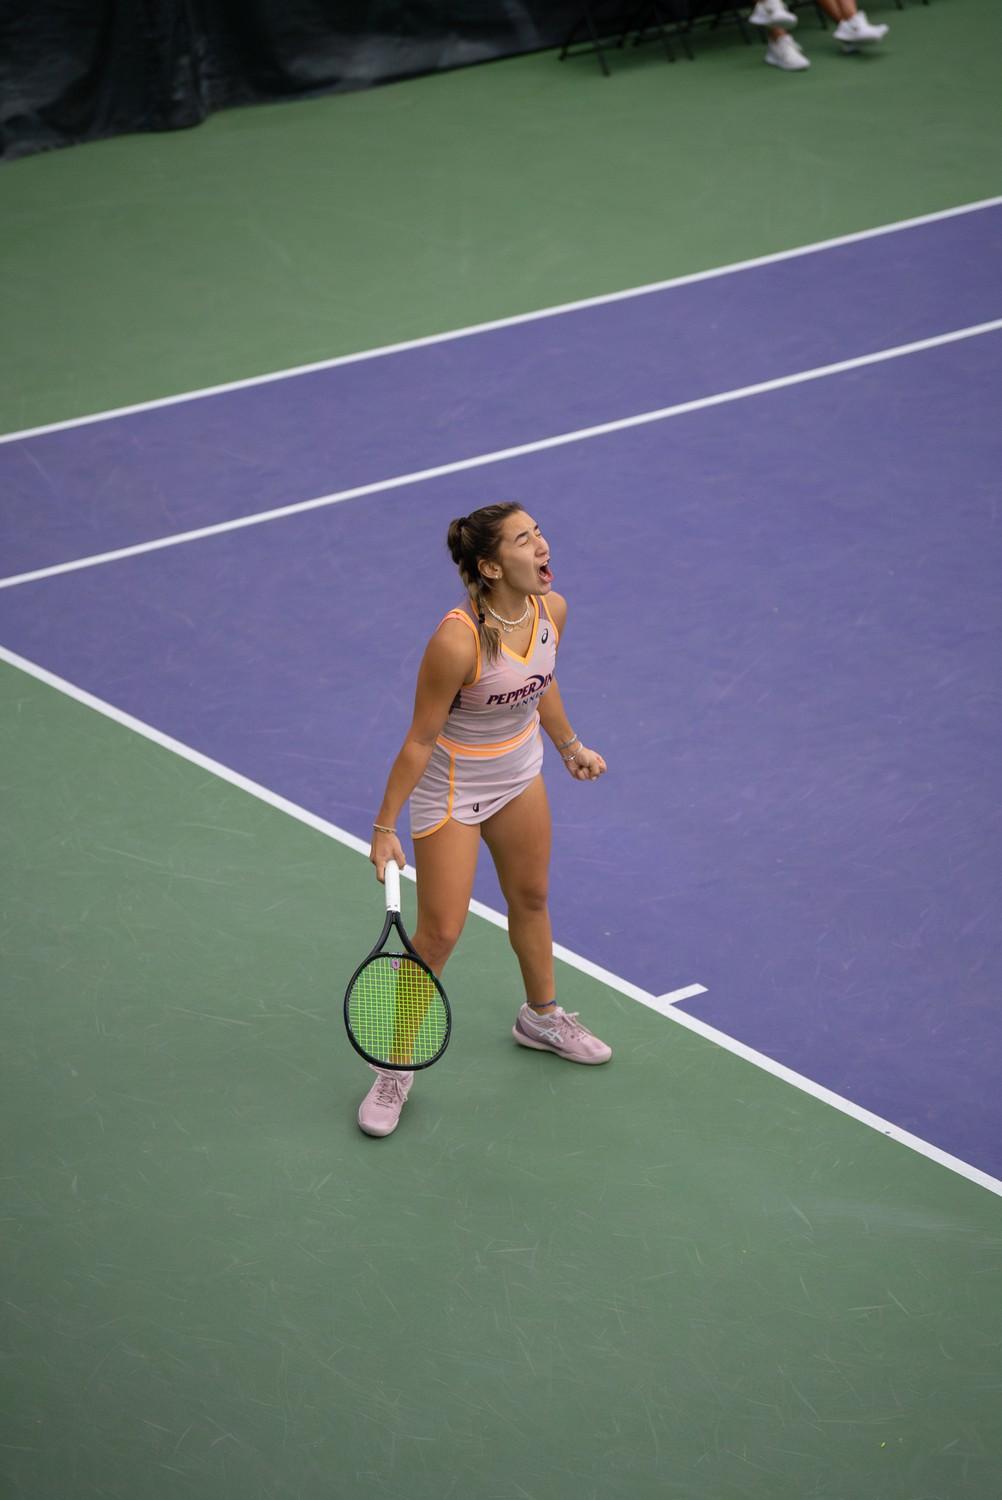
490 748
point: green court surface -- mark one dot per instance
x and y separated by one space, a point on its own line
270 237
676 1276
673 1276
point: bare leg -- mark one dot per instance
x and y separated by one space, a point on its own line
839 10
446 862
519 840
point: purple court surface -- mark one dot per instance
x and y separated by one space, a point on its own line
784 628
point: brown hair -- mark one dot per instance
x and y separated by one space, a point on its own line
471 540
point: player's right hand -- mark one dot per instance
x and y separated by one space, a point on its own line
384 847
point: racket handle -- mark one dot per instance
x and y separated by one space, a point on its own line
391 875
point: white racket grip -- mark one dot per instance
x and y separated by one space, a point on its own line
391 876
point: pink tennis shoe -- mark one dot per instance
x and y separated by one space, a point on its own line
560 1032
556 1031
379 1111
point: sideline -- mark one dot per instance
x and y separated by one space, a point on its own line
663 1004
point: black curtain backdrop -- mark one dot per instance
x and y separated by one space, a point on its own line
82 70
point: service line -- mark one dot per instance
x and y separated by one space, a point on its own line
502 455
471 330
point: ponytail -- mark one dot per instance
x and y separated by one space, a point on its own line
471 540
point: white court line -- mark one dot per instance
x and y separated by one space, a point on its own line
530 317
675 996
502 455
662 1004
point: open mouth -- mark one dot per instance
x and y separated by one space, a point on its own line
544 573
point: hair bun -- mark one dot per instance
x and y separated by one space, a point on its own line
454 540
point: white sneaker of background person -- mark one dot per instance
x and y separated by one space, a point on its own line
856 29
772 13
783 52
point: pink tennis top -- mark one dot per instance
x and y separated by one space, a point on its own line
498 711
490 749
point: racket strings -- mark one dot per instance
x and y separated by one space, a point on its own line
395 1011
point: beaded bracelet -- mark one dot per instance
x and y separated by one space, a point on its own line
380 828
565 743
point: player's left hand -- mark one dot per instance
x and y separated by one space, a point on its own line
587 765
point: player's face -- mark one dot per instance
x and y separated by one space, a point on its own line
524 555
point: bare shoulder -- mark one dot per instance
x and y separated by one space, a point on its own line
557 605
452 649
449 661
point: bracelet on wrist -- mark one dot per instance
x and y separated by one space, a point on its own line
381 828
565 743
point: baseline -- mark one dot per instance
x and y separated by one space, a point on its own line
662 1004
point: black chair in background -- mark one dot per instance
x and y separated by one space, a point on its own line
601 29
714 13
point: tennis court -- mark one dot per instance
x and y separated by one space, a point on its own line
755 1257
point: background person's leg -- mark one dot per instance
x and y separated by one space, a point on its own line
852 24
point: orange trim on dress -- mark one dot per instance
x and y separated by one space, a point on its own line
556 632
532 638
460 614
489 752
448 807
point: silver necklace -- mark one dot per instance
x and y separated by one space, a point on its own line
508 625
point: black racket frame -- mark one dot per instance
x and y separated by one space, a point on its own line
393 921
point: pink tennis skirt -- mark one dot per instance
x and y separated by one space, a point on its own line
469 790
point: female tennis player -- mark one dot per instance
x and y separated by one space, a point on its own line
470 764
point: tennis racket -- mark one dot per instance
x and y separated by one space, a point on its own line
395 1011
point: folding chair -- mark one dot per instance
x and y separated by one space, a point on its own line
714 13
612 25
663 18
598 25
